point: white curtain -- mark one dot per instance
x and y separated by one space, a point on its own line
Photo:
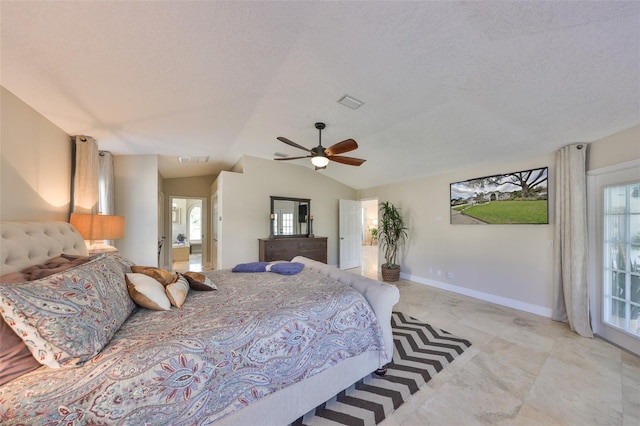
85 176
106 203
106 198
571 295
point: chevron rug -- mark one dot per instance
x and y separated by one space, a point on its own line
420 352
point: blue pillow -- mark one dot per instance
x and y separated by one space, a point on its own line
287 268
251 267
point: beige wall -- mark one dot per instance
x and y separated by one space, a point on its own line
245 205
507 264
617 148
136 198
35 164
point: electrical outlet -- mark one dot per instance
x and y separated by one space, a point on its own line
439 272
450 275
430 270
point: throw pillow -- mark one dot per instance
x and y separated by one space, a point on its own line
177 291
250 267
199 282
163 276
286 268
147 292
67 318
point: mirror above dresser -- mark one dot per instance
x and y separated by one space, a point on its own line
291 232
290 217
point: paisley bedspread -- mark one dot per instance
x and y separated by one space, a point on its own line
224 349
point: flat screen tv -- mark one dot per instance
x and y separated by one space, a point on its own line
510 198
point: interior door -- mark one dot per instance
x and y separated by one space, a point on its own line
215 228
161 237
350 232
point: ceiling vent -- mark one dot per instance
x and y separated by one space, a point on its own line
192 159
350 102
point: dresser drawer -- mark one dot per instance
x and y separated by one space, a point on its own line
312 244
288 248
279 254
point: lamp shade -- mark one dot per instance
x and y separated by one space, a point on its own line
98 227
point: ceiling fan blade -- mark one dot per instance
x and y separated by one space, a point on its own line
288 142
320 168
292 158
341 147
351 161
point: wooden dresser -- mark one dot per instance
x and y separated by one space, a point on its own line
271 249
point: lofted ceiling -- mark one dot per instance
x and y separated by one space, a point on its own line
445 85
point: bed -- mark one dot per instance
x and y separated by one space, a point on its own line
263 348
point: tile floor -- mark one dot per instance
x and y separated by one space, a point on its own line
193 264
522 369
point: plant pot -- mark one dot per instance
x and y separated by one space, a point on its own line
390 274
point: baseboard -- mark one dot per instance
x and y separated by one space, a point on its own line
487 297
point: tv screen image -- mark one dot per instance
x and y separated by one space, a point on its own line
510 198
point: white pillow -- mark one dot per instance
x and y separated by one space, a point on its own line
177 291
147 292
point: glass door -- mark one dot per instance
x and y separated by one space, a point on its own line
621 263
614 254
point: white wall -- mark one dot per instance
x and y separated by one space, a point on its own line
136 198
245 205
35 164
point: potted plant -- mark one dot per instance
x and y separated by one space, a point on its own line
374 235
181 238
392 234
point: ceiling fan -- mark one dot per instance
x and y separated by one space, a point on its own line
320 156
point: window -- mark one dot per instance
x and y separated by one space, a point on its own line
621 262
287 224
195 223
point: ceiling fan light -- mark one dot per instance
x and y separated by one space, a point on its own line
319 161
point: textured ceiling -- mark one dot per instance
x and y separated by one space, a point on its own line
445 85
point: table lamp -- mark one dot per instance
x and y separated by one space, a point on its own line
95 228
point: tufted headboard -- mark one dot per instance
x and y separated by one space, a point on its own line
29 243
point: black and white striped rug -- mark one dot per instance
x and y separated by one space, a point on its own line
421 351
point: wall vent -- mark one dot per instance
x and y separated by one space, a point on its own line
192 159
350 102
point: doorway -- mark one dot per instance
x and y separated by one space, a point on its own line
370 265
365 231
187 233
